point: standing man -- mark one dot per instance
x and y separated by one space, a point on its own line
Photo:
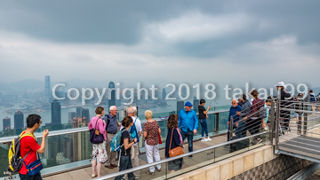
234 109
112 126
257 115
135 132
29 146
312 100
188 123
284 102
241 129
203 120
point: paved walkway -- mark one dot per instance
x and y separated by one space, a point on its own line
85 173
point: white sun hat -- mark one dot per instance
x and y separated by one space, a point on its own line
281 84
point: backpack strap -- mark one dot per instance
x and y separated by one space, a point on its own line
171 139
108 120
22 135
25 134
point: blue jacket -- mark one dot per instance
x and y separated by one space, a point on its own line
112 127
232 113
245 109
188 121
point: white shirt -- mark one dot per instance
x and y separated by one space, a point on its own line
137 123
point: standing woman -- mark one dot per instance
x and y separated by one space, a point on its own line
151 134
126 144
175 137
99 153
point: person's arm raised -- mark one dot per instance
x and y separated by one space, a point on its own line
43 141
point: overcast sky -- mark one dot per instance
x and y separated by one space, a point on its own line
262 42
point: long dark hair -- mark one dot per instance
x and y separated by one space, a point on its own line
126 121
172 121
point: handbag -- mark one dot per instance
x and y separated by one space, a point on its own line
95 136
160 141
175 151
34 167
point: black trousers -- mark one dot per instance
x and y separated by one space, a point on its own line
27 177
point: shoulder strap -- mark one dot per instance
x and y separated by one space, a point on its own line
108 120
96 123
135 120
22 135
25 134
171 138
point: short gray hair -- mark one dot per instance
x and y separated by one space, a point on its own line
131 110
112 108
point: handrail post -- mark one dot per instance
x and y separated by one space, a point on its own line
231 128
272 122
305 121
277 125
217 122
300 107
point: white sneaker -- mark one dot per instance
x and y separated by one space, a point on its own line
209 139
204 140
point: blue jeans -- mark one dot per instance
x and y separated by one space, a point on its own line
188 135
204 127
125 163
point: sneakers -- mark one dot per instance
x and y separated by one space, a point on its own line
206 139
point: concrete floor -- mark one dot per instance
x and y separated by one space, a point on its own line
85 173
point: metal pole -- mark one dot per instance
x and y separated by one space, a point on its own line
300 119
272 121
231 128
217 122
277 121
305 121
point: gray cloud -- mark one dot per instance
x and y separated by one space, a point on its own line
160 40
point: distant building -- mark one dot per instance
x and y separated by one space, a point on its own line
196 103
71 116
82 115
47 88
55 113
164 94
86 115
18 121
112 98
79 112
6 123
163 97
180 105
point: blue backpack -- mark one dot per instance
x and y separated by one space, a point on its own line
133 131
312 98
115 142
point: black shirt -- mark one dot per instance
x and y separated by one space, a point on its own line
201 109
175 141
125 134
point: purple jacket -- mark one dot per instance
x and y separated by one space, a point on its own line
101 125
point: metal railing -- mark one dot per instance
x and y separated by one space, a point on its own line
8 139
113 175
82 132
296 129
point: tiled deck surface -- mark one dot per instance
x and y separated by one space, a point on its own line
85 173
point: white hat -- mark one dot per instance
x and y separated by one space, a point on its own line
281 84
